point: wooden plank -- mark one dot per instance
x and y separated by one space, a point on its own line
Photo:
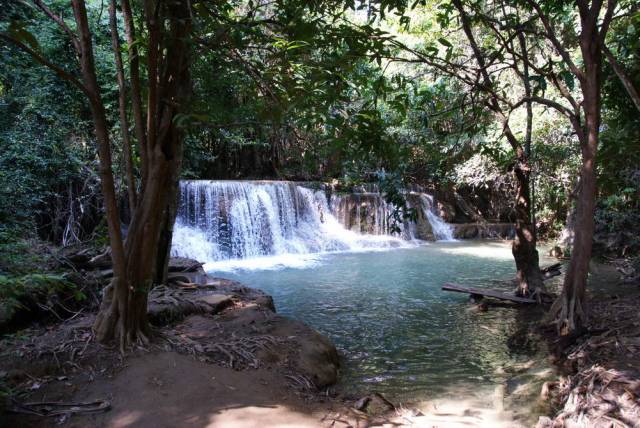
486 292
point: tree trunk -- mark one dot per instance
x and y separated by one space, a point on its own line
123 312
136 92
569 310
122 109
528 276
524 251
166 234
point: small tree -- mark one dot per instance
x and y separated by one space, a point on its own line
495 56
167 26
509 52
585 117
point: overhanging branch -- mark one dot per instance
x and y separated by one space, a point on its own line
43 61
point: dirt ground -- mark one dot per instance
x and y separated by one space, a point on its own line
600 381
167 389
182 381
220 357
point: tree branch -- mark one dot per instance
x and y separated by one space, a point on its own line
43 61
551 34
624 78
63 25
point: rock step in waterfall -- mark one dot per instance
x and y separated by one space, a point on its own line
227 220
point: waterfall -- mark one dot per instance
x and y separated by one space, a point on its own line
442 230
244 220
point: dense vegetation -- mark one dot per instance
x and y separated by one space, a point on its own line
456 95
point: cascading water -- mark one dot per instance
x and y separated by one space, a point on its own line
442 230
239 220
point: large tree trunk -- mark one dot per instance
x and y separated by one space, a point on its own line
123 312
569 310
166 234
528 276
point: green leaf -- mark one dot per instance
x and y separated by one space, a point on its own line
445 42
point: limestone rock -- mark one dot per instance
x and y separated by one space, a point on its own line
218 301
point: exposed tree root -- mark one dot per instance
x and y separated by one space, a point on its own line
237 353
605 387
598 397
567 314
302 382
119 320
56 409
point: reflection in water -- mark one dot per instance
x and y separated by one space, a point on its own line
398 332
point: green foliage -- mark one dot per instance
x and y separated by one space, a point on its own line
47 161
16 290
29 280
19 256
618 215
317 90
394 188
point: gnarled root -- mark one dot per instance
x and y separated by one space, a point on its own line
567 314
119 320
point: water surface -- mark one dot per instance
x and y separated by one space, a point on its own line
397 331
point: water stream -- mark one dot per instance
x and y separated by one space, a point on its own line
376 296
399 333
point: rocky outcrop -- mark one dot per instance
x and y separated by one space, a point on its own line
484 230
226 323
361 212
466 203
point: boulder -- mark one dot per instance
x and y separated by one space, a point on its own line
168 305
183 264
483 230
314 356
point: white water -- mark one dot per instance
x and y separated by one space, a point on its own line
265 225
441 229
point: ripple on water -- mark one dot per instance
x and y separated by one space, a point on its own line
398 332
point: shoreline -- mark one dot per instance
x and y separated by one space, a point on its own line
260 365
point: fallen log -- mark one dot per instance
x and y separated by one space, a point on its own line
551 271
483 292
553 267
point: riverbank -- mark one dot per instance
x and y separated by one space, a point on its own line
220 353
224 357
221 357
599 382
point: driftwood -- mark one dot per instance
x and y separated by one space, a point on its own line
553 267
482 292
551 271
55 408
